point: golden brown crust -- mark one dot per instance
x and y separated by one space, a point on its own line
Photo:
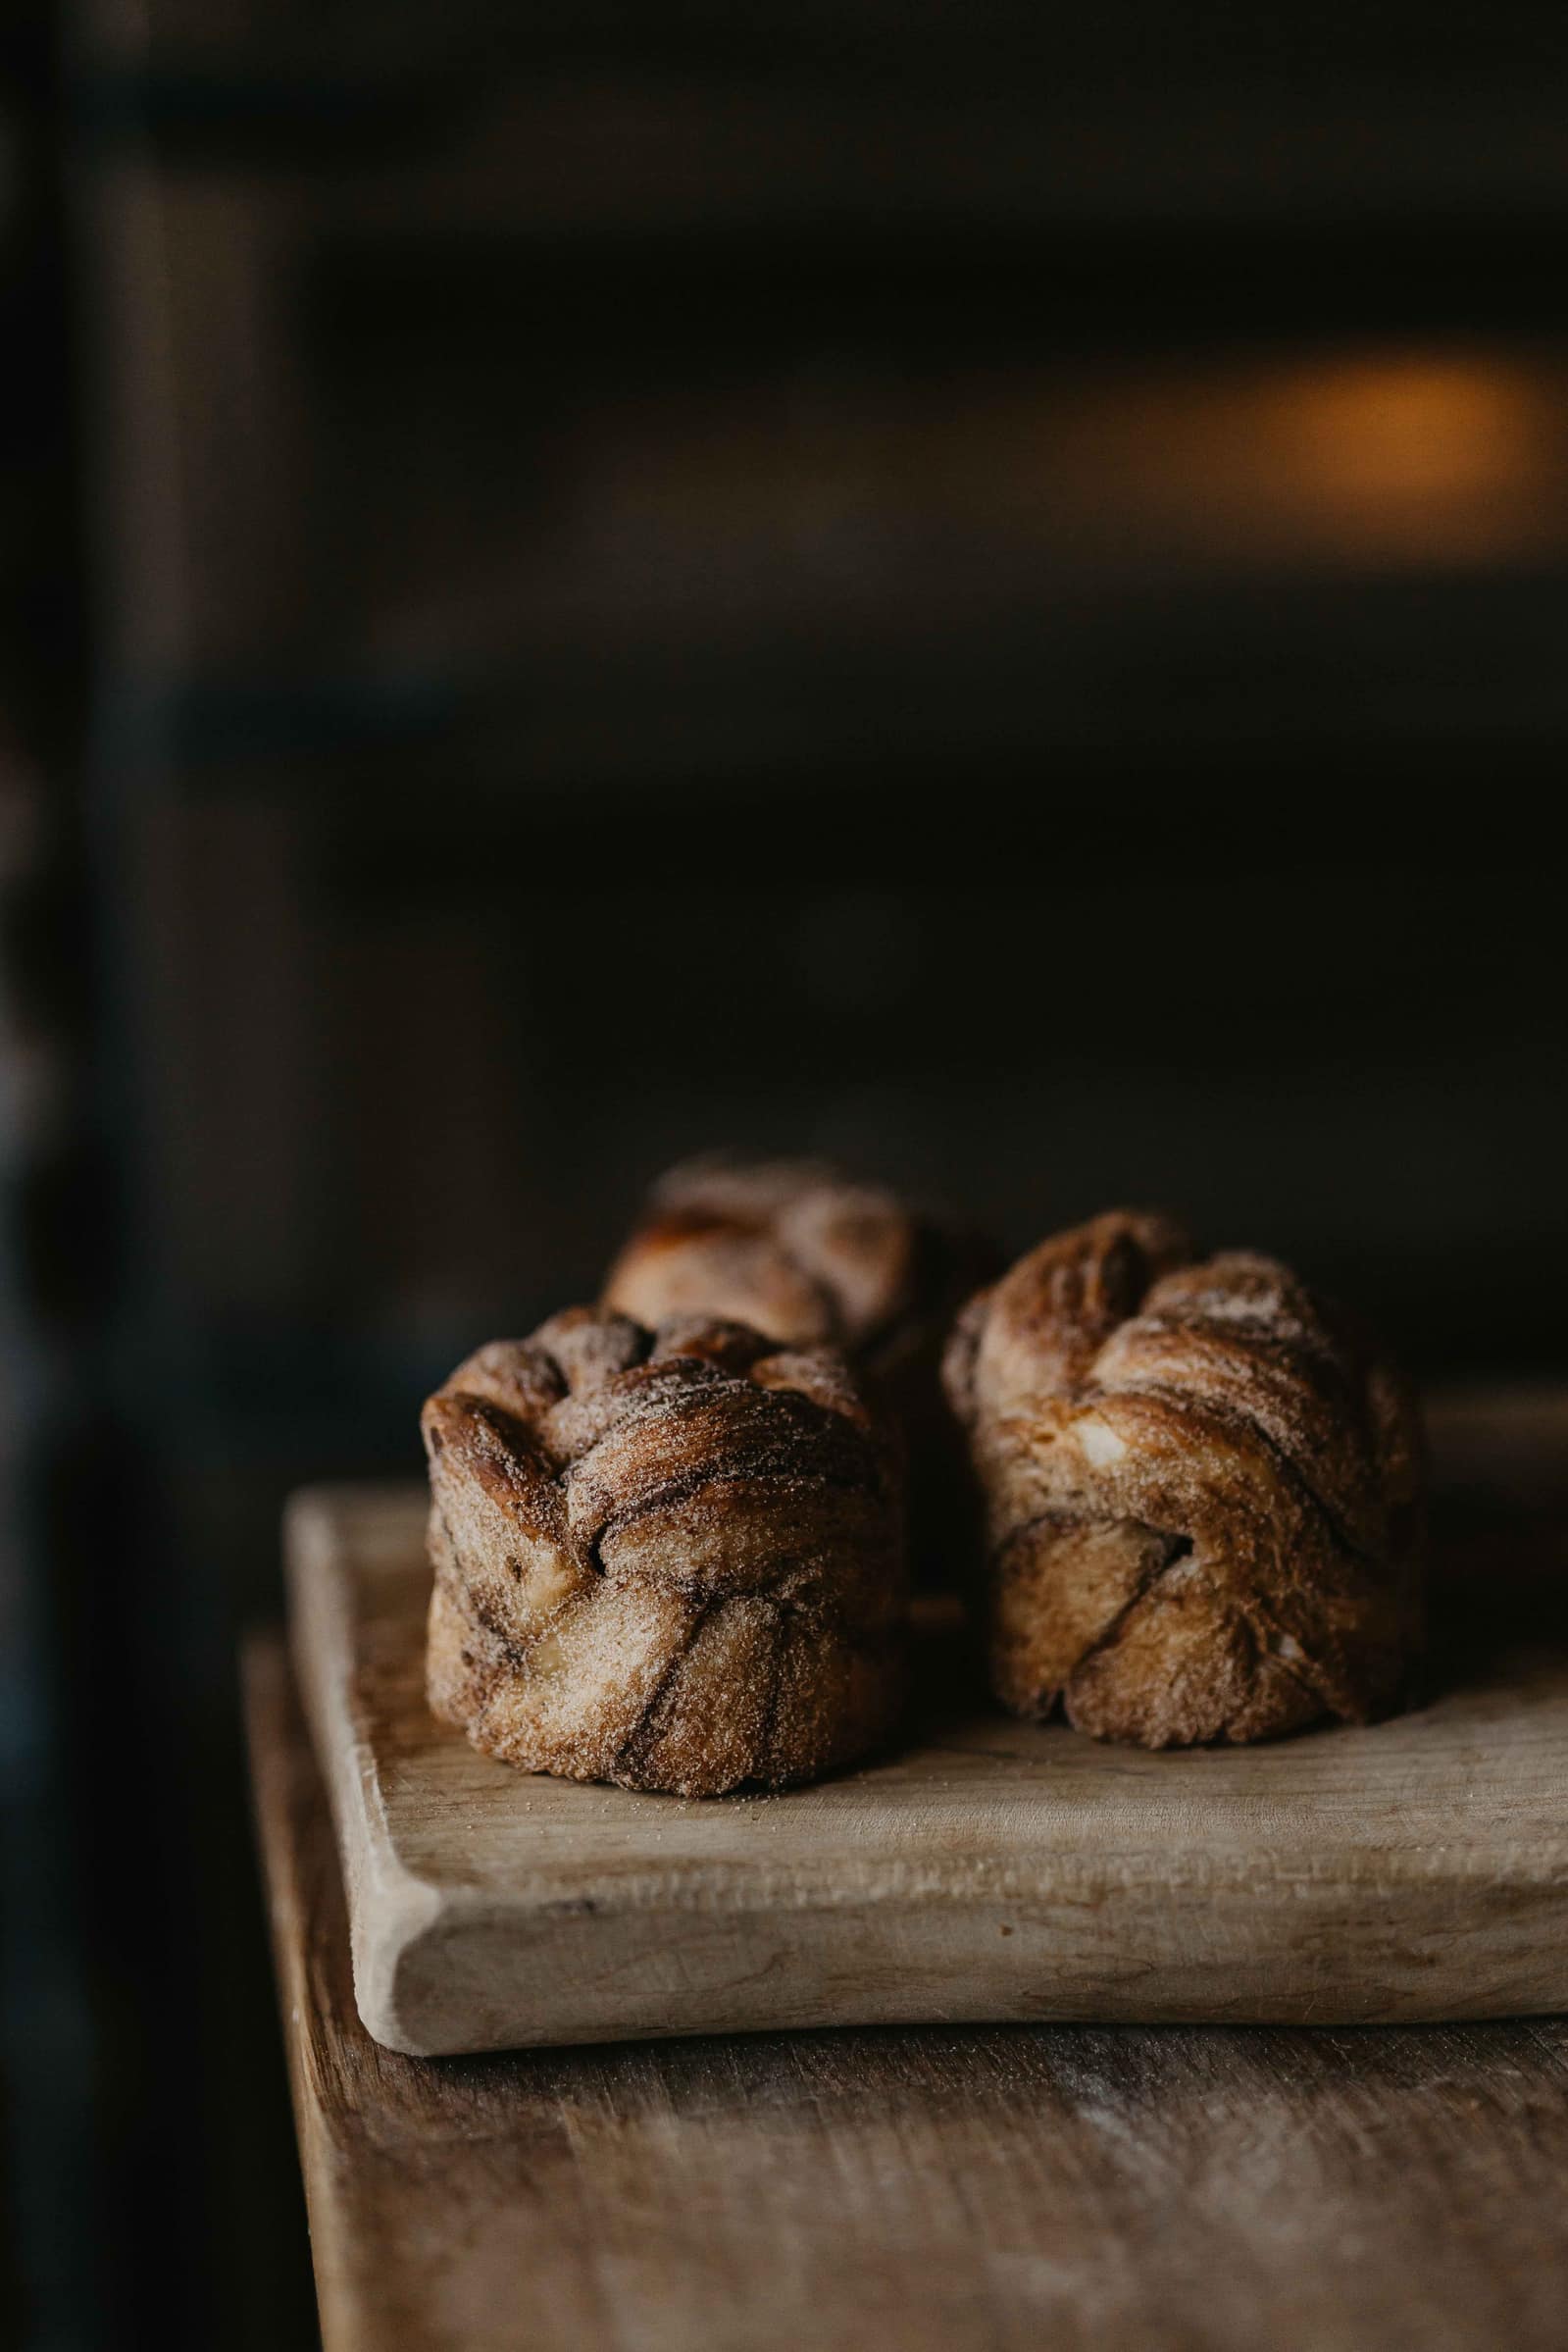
799 1250
670 1558
1204 1489
793 1246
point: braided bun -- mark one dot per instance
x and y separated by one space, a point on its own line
1203 1491
669 1558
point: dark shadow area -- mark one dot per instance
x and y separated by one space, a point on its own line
978 592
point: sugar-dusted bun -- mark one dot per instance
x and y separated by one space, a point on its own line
809 1255
670 1559
1203 1490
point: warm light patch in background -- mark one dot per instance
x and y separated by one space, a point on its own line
1414 458
1413 433
860 493
1354 460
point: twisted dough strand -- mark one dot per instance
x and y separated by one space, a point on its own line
796 1249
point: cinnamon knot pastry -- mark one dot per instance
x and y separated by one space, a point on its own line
670 1558
808 1255
1203 1491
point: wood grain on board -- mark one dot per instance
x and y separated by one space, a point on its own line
942 2189
985 1869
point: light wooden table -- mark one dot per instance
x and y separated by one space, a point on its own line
1195 2189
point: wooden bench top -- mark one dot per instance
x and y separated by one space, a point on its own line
1190 2189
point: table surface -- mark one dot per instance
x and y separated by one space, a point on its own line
1191 2189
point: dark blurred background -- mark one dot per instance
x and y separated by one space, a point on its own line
974 587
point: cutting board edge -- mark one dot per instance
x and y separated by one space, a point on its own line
390 1907
405 2004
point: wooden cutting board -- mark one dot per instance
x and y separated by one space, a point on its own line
988 1870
